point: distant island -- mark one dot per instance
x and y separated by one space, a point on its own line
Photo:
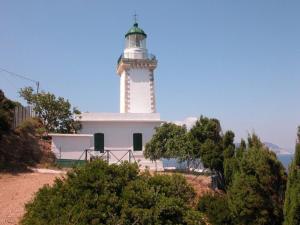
278 150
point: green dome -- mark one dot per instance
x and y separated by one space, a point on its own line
135 30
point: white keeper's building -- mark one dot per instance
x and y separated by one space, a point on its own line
118 135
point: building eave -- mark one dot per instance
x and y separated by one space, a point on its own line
70 135
125 121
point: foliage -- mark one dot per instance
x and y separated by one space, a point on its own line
241 149
169 140
98 193
247 201
250 175
213 146
207 133
228 141
254 141
262 178
215 207
54 112
205 129
20 148
212 155
292 198
231 166
204 142
6 113
255 183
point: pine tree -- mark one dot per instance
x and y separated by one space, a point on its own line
255 195
292 196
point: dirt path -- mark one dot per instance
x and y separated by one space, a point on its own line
16 190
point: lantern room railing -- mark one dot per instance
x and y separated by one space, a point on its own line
148 56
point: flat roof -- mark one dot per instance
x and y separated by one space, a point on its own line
70 135
120 117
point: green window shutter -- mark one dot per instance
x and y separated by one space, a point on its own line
99 142
137 142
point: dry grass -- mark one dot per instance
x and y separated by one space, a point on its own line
18 189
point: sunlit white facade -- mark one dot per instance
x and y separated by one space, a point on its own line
134 126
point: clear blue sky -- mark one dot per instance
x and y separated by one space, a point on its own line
238 61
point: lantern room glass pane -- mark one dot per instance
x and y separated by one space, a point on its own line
135 41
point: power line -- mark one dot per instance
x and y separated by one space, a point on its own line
37 83
7 78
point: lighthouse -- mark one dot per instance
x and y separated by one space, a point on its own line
120 136
136 70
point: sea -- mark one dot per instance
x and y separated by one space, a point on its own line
286 159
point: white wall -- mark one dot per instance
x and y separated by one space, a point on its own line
123 92
70 147
139 90
118 136
135 53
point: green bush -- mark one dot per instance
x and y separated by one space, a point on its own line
292 195
6 114
215 207
98 193
256 193
20 148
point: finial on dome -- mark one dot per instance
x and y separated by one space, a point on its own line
135 18
135 28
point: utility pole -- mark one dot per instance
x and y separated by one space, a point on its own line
37 86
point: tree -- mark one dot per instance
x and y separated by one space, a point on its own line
207 137
20 147
6 113
209 145
247 201
204 142
172 141
98 193
292 195
231 166
215 207
54 112
228 139
241 149
263 179
206 128
169 140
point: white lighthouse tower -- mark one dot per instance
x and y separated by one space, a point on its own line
120 136
136 67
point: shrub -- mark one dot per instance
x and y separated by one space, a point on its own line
6 113
215 207
20 148
292 195
256 193
98 193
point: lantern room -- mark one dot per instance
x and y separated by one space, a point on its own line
135 43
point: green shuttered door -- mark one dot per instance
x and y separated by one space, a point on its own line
137 142
99 142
